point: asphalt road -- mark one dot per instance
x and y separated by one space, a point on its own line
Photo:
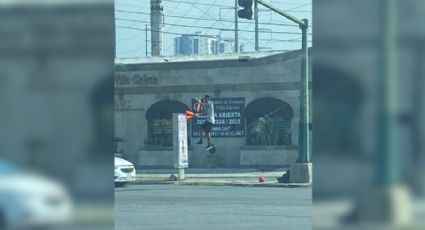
166 207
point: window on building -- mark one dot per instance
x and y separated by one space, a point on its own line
195 46
268 122
160 122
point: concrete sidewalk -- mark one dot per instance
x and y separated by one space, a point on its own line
216 177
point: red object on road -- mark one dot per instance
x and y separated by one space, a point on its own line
261 179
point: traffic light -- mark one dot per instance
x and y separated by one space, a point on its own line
246 12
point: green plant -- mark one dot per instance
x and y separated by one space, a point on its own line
266 131
161 133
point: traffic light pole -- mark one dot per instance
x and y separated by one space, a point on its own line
388 201
283 13
301 171
303 133
387 142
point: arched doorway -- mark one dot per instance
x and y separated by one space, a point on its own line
160 121
268 122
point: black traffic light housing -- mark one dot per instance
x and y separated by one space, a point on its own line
246 12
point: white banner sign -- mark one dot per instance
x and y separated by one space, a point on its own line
180 141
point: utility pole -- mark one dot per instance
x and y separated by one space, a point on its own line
236 27
256 25
146 39
304 129
301 172
157 22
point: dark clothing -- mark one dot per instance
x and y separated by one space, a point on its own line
207 126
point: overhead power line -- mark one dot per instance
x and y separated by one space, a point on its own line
222 6
209 36
204 19
209 27
200 14
206 11
130 38
178 20
296 7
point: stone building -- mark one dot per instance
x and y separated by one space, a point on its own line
243 89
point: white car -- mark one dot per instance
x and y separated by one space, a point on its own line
31 201
124 172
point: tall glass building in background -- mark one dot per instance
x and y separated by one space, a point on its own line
190 44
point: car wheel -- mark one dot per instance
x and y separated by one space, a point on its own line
119 184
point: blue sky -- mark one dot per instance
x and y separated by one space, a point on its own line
212 17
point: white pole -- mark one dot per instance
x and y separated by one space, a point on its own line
180 144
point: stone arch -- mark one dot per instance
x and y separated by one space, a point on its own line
160 121
268 122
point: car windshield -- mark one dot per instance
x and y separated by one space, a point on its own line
7 168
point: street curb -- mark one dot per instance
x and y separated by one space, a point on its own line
223 183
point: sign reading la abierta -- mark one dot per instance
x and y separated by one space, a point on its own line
229 119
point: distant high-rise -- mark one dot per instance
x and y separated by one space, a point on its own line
224 46
189 44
